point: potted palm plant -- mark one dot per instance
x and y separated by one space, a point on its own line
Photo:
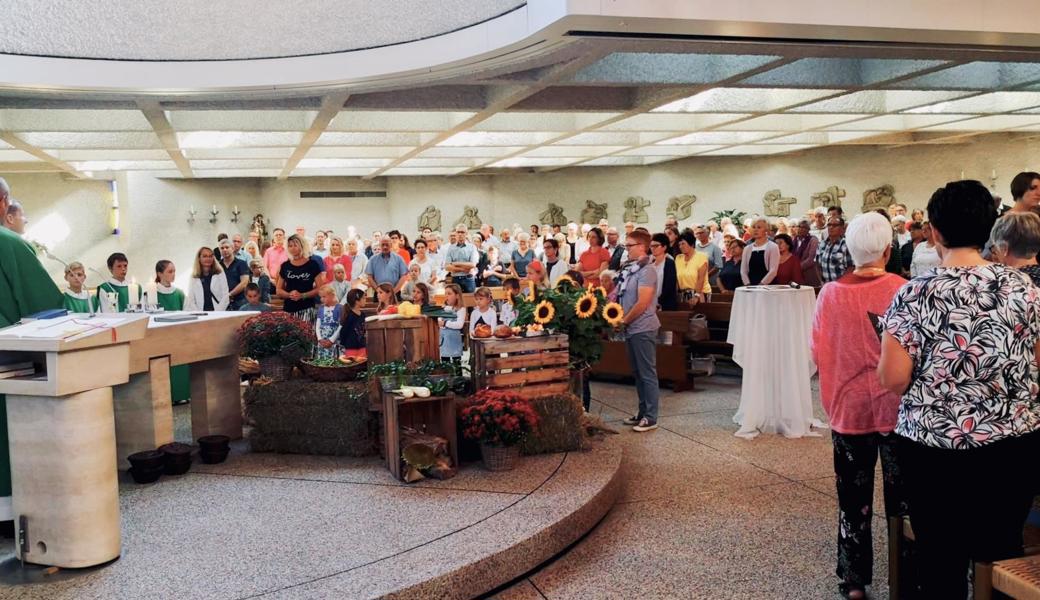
277 341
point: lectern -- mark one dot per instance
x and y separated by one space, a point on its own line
62 435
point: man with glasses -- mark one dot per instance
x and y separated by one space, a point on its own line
615 248
806 247
834 257
637 292
460 261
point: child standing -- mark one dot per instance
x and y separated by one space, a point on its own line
340 283
77 299
451 329
483 312
253 302
170 298
326 325
117 284
353 333
506 311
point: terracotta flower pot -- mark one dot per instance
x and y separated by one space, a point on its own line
499 458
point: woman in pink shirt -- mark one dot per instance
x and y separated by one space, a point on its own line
846 347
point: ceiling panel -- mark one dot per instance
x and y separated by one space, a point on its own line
123 165
668 68
996 102
975 76
336 138
343 163
7 155
358 151
839 72
111 154
718 137
229 153
72 120
674 121
730 100
241 120
574 151
521 161
414 171
483 138
878 101
752 150
270 163
542 121
361 121
469 151
81 140
225 173
232 139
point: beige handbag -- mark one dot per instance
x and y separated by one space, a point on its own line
697 331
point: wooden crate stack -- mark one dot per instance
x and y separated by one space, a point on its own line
529 365
411 339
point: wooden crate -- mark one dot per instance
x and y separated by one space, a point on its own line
534 365
434 415
412 339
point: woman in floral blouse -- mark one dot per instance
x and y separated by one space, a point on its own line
960 345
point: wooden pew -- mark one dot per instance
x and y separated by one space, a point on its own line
671 358
718 315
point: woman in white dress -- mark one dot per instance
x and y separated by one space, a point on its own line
926 255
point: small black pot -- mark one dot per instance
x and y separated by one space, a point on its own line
212 457
214 443
178 458
141 475
147 460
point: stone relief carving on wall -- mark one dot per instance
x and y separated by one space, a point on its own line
830 197
776 205
879 197
593 212
553 215
470 218
635 209
680 207
431 217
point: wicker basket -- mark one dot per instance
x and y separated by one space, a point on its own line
499 458
343 373
275 368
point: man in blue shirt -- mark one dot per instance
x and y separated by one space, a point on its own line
460 261
237 272
386 267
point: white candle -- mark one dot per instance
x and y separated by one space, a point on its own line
236 208
214 208
133 291
962 175
993 174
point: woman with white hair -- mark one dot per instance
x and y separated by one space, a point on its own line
1015 242
846 347
761 257
522 256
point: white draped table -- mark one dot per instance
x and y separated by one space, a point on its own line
769 328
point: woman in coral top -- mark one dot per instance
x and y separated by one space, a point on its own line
846 347
790 269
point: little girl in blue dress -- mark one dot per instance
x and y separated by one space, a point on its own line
327 325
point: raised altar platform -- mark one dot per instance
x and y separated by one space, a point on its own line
292 526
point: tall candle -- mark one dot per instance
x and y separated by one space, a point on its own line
993 174
214 208
133 291
962 175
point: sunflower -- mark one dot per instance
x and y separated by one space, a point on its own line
585 307
566 279
544 312
593 289
613 314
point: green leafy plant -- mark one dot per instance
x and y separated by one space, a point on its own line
275 334
737 216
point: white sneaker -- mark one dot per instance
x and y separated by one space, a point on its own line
645 425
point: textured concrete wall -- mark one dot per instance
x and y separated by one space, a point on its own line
155 211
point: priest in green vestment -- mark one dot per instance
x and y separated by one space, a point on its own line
25 289
118 285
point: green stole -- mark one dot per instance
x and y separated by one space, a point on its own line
77 303
25 288
172 299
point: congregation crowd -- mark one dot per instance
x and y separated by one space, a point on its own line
937 375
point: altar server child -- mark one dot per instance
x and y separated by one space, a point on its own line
327 326
253 301
483 312
451 329
506 309
352 336
170 298
167 296
117 284
340 283
77 299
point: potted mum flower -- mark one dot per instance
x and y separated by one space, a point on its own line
277 341
498 420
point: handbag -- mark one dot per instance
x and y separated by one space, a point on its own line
697 330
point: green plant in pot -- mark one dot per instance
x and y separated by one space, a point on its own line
390 375
277 341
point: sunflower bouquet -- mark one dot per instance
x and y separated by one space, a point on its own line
583 313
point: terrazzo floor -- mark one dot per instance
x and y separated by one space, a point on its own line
704 514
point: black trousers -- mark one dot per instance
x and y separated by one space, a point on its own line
967 505
855 460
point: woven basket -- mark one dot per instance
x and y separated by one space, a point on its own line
275 368
499 458
343 373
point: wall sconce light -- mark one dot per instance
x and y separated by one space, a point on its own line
993 180
234 214
213 214
191 215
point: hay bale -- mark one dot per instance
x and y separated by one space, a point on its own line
307 417
559 425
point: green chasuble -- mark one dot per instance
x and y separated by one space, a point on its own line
77 303
25 288
122 292
171 298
